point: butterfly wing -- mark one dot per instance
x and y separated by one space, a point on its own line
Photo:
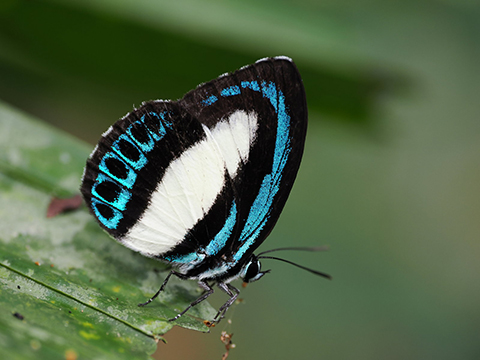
268 100
138 180
205 177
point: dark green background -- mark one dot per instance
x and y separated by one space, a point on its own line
390 177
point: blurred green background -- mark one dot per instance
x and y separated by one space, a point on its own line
390 177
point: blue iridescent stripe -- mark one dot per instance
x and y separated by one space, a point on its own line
192 258
131 174
259 212
230 91
131 166
253 85
144 147
110 223
220 240
122 198
210 100
136 164
215 245
161 128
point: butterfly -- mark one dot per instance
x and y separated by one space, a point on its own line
200 182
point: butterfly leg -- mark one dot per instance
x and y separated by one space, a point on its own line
208 291
233 292
162 287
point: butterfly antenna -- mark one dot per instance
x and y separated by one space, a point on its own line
315 272
301 248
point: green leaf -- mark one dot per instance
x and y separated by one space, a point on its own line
76 288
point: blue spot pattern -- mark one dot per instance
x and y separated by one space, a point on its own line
210 100
230 91
259 212
125 185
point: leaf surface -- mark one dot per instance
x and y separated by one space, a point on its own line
76 288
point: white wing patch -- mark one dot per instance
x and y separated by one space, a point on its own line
234 138
191 184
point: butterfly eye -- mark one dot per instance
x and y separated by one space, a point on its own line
253 272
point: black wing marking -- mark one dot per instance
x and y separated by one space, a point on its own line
261 188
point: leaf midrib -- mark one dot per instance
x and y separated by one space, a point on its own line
86 304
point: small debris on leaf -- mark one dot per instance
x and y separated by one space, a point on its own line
226 338
58 206
18 316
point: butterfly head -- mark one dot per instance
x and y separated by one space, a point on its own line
252 271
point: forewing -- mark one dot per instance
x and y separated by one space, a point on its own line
268 98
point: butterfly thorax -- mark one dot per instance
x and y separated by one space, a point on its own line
222 269
201 266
